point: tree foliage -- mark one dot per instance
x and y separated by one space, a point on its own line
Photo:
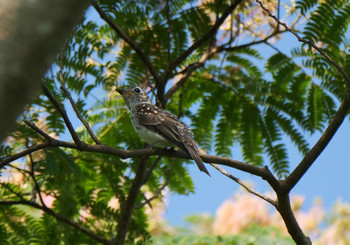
204 61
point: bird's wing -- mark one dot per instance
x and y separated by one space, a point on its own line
161 122
171 128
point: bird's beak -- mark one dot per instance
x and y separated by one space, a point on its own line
125 94
121 91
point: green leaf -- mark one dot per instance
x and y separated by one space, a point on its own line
51 163
251 138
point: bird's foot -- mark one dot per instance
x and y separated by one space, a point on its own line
150 146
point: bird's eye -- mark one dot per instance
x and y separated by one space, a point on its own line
137 90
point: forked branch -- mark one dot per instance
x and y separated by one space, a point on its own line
78 114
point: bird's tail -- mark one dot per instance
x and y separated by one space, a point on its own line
192 149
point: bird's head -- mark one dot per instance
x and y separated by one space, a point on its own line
133 96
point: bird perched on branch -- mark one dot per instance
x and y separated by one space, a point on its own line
158 127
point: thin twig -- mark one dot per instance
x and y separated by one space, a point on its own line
186 74
150 170
159 191
19 195
241 183
27 151
264 40
188 71
32 175
339 68
31 170
64 116
128 40
203 39
19 169
49 211
38 130
86 124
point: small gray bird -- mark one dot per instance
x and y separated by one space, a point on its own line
158 127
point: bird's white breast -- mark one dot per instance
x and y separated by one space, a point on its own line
148 136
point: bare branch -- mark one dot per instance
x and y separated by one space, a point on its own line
150 170
241 183
86 124
265 40
38 130
286 212
37 187
64 116
203 39
23 171
129 41
49 211
19 195
186 74
27 151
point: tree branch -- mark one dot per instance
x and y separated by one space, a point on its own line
159 191
286 212
241 183
27 151
38 130
37 187
186 74
150 170
229 49
129 41
318 148
64 116
129 205
86 124
284 207
203 39
264 173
